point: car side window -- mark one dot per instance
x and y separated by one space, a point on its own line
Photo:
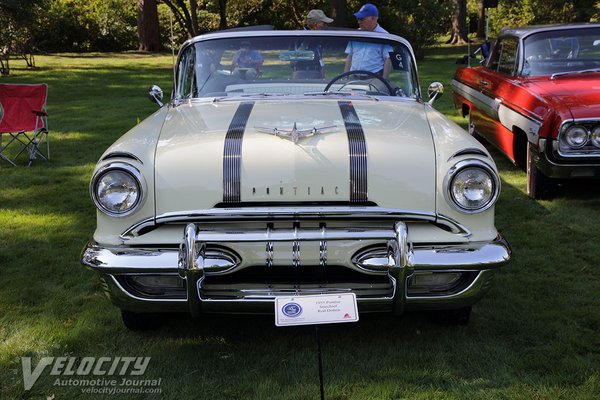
508 57
504 56
186 86
492 61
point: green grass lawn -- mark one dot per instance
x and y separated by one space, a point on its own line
535 336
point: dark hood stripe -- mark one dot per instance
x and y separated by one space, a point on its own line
232 153
357 151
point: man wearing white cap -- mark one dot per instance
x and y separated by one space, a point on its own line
368 56
316 19
312 69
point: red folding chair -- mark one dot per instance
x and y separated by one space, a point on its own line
24 119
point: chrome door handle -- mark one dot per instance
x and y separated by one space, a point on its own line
484 83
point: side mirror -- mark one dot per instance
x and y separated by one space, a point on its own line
155 94
435 91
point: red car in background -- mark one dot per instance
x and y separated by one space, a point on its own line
537 99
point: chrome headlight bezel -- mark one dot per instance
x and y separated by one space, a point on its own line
573 133
463 165
595 137
126 169
591 147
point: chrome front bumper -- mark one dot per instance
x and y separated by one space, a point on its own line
198 261
549 161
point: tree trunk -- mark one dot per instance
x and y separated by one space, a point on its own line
194 17
338 10
481 31
182 16
222 14
458 34
148 32
584 10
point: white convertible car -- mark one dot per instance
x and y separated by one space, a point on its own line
272 172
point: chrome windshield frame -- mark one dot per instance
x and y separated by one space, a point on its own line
356 34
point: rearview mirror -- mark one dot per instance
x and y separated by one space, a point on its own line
297 55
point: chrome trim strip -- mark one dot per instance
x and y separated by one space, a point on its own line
292 235
473 289
121 154
500 110
399 250
296 253
357 147
136 260
323 247
470 256
282 213
468 152
267 292
191 267
118 260
256 298
479 99
509 117
466 257
232 153
270 254
132 296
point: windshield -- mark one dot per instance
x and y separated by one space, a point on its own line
295 65
568 50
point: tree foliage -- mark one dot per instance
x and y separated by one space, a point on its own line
30 26
88 25
419 21
18 19
514 13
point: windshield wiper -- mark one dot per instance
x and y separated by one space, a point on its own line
330 93
327 93
234 96
583 71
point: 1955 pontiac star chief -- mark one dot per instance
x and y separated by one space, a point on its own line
255 182
537 98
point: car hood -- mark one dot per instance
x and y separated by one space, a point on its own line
579 93
363 152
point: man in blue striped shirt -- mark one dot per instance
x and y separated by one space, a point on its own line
365 56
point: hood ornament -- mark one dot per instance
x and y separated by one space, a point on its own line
296 134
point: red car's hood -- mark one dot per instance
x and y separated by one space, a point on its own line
580 93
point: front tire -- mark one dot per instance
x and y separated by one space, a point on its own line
539 186
459 316
471 128
140 321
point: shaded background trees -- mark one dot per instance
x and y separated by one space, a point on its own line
31 26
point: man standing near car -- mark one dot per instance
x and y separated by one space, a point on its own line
364 56
312 69
316 19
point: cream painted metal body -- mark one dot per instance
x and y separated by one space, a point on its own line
359 197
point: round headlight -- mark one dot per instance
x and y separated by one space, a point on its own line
473 188
117 191
595 137
576 136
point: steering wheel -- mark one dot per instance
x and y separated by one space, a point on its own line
362 72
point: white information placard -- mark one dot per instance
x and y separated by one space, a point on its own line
316 309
